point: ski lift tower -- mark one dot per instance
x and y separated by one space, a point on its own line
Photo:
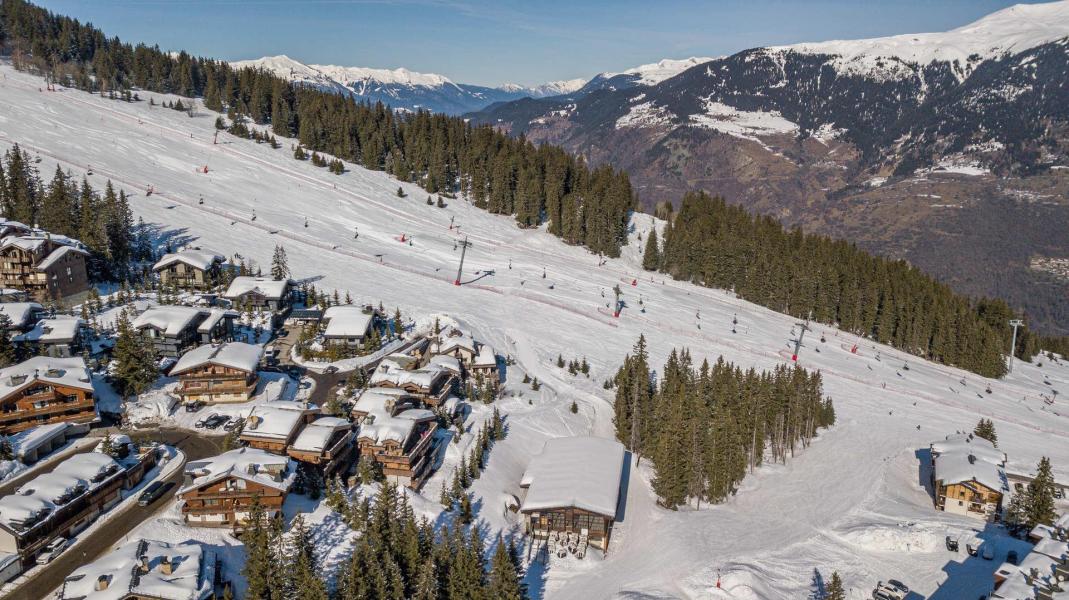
1015 323
803 327
463 250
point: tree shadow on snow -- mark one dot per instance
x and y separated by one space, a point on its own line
625 483
924 470
163 238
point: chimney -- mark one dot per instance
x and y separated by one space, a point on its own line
143 566
166 567
102 583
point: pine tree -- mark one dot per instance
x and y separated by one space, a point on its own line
301 566
279 265
7 348
560 361
400 192
651 257
426 587
835 589
986 429
260 564
504 581
1040 505
135 360
6 451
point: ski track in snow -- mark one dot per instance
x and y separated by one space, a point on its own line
852 501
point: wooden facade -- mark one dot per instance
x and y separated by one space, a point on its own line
78 513
43 402
335 457
969 498
570 520
409 462
433 395
32 267
225 502
214 383
187 276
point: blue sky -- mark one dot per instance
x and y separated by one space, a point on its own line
493 42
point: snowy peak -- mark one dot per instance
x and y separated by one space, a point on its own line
401 76
654 73
552 88
1011 30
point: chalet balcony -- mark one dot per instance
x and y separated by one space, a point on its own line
208 385
52 408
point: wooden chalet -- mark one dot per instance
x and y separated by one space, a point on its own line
45 266
457 344
218 373
273 426
59 337
219 491
44 390
192 268
968 476
347 325
432 384
328 443
399 438
66 500
260 293
572 491
21 315
173 329
484 366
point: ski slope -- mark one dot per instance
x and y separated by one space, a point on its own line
852 502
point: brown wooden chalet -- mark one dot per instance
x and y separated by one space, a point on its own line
45 266
44 390
219 491
399 438
67 499
275 425
968 476
218 372
572 490
432 384
328 443
189 268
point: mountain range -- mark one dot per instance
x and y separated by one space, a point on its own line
402 89
949 150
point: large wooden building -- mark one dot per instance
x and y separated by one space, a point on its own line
260 293
432 383
273 426
968 476
61 336
347 325
218 372
572 492
192 268
44 390
400 438
66 500
173 329
328 443
47 267
219 491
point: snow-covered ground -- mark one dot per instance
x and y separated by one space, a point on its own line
852 502
160 406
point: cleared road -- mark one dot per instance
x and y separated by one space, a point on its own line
101 540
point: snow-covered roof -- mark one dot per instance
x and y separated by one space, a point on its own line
38 498
399 360
450 363
316 435
579 472
57 254
425 378
275 419
486 357
19 312
236 355
448 343
68 372
194 257
966 457
250 464
24 242
28 440
192 575
346 321
60 328
214 316
381 424
268 288
170 319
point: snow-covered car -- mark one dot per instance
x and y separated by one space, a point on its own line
987 551
214 421
201 423
891 589
52 550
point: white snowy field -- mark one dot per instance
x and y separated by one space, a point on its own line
852 502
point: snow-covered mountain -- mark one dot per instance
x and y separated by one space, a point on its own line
402 89
804 131
854 501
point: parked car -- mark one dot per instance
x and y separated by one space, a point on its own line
214 421
952 544
972 548
987 551
330 370
151 493
201 423
1059 493
891 589
194 406
1011 557
52 550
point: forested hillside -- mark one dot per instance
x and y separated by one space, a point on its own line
537 184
